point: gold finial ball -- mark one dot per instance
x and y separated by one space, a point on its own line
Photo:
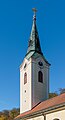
34 10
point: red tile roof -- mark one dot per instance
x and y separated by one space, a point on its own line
45 105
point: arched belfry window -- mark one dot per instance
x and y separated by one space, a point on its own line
25 78
40 77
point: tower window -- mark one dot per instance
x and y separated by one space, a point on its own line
25 78
40 77
24 100
25 65
25 91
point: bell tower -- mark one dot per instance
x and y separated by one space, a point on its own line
34 73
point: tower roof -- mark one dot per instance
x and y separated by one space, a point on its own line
34 48
34 43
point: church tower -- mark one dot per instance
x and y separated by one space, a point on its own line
34 73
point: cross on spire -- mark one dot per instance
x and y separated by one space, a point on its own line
34 10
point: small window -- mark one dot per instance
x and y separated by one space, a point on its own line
40 77
25 78
25 65
25 101
25 91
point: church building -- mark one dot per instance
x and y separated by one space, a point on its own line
34 84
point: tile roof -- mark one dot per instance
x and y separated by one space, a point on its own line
58 100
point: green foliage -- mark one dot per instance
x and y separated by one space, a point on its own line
54 94
51 95
9 115
62 90
14 112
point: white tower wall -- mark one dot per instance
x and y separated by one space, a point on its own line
35 91
25 89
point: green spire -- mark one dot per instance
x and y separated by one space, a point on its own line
34 43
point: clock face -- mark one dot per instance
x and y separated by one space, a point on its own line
40 63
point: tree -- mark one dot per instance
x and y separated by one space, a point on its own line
62 90
3 117
14 112
51 95
9 115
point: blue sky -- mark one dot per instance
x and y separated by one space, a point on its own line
15 27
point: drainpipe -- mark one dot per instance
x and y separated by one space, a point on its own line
44 117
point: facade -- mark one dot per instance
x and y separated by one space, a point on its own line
34 84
